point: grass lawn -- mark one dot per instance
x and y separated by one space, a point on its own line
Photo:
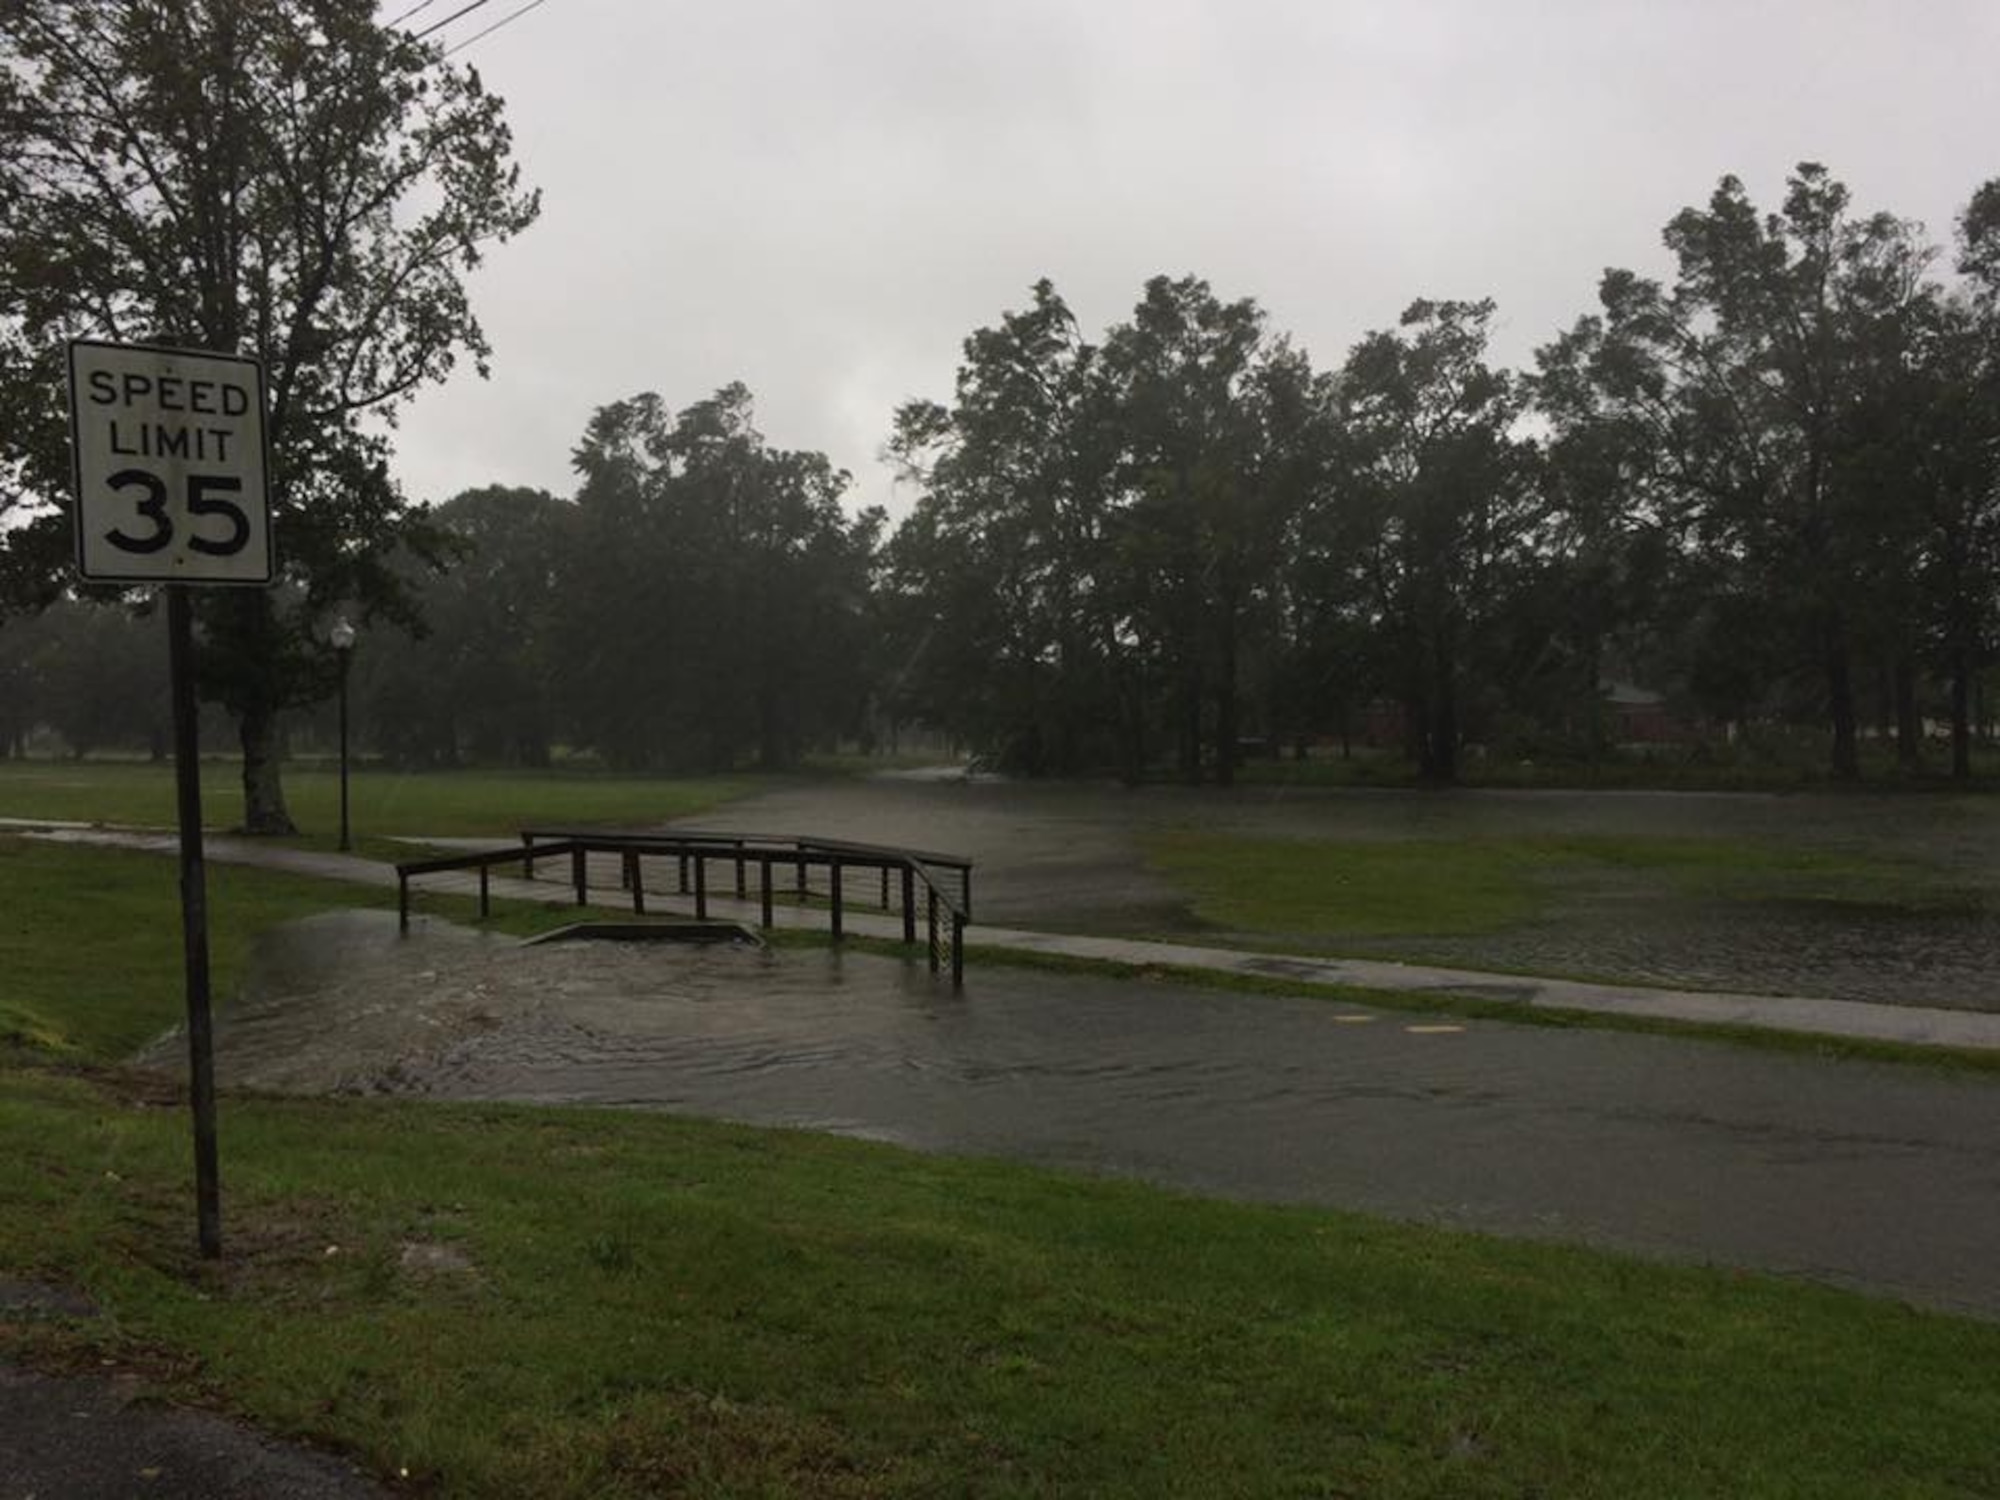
382 802
1466 885
1793 764
508 1301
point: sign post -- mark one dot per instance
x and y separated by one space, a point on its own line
172 489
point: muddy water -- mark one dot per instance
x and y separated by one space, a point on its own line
1071 857
1865 1175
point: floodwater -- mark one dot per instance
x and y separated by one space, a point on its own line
1071 857
1864 1175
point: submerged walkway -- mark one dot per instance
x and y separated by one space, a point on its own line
1860 1020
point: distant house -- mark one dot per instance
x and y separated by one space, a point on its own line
1635 716
1639 716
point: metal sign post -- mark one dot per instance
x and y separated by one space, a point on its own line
194 919
172 489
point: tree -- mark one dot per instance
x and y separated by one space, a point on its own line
1952 450
97 678
1446 503
712 595
478 684
1218 423
998 575
1609 546
281 178
1753 373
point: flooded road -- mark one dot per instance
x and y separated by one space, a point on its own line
1072 857
1864 1175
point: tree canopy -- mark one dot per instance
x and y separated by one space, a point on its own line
1765 483
286 179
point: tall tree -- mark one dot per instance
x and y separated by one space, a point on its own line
1446 489
1609 547
713 592
281 178
999 574
478 683
1952 447
1752 369
1219 423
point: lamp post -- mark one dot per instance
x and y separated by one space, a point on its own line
342 637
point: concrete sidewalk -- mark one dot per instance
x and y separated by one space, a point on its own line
1910 1025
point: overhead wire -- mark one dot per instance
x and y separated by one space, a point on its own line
514 15
463 10
420 5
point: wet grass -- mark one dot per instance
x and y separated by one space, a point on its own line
604 1303
383 803
1787 765
1453 886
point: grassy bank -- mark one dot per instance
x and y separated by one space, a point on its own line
1788 765
382 802
1446 886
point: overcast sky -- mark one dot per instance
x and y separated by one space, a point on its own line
822 198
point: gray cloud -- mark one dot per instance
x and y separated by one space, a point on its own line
823 199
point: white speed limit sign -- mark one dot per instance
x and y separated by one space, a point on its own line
171 469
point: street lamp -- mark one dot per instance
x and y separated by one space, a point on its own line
342 636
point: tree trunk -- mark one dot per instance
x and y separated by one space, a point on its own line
1961 714
1593 699
1131 680
1909 724
1190 749
264 809
1225 702
1846 759
1444 718
1417 730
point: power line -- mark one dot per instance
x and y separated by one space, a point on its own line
420 5
463 10
510 16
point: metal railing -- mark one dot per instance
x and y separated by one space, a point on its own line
947 912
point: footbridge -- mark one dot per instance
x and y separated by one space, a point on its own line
794 869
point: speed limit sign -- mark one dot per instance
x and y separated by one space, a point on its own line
171 469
